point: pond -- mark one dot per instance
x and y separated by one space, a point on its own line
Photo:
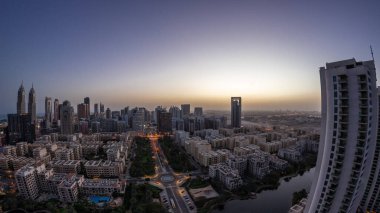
273 201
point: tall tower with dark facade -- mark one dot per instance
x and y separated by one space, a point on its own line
88 111
56 110
48 108
185 109
21 100
67 118
32 105
235 112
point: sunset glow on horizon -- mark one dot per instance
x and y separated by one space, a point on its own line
202 53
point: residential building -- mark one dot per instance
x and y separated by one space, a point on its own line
223 173
26 180
236 112
348 137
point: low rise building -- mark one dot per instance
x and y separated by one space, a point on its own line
64 154
22 148
101 186
223 173
66 166
26 180
10 150
258 164
103 169
238 163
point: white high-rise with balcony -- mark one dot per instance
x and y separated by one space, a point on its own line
348 136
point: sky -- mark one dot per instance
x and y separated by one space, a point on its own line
149 53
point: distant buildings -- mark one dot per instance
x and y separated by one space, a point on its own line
108 113
48 109
32 105
56 110
164 123
101 107
88 108
185 109
82 111
345 179
198 111
21 100
20 128
235 112
67 118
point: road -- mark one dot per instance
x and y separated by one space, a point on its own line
170 181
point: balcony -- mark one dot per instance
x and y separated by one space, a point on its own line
343 87
339 159
344 103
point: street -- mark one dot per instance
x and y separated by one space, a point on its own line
170 181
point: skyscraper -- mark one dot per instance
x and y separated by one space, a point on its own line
164 123
108 113
21 128
235 112
82 111
371 199
348 137
21 100
185 109
88 110
67 118
56 110
96 109
48 106
198 111
32 104
101 107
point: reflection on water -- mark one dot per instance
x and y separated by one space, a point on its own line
273 201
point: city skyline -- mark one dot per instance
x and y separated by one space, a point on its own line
167 54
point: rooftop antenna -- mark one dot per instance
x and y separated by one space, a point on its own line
370 46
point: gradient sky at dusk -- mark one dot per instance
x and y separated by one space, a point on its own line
148 53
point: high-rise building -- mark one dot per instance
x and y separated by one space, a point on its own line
67 118
348 137
101 107
96 109
198 111
138 119
176 112
371 199
108 113
235 112
20 128
88 110
185 109
156 111
164 123
56 110
21 100
48 107
32 104
82 111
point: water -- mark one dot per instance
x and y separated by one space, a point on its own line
271 201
